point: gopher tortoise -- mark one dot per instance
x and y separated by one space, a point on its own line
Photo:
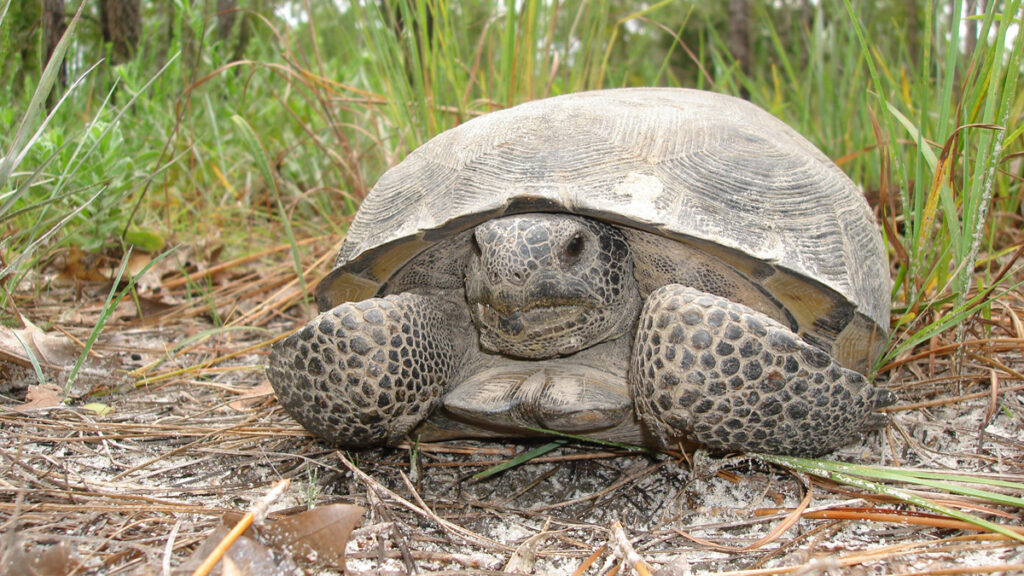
643 265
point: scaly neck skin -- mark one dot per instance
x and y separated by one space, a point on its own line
546 285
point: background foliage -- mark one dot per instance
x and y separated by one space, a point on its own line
266 121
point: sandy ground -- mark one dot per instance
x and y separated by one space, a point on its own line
197 435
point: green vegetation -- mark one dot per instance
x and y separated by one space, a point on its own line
870 478
268 128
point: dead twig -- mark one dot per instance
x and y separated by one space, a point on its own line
253 516
423 511
626 550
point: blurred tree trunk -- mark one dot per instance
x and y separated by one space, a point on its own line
121 25
229 18
54 25
739 38
971 32
21 48
226 15
913 31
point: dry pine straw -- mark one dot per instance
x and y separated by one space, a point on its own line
197 435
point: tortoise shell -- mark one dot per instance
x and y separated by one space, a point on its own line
692 167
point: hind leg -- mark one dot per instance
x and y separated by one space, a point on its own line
707 369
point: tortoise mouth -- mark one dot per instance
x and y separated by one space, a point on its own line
518 322
540 330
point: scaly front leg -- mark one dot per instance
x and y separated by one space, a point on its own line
366 373
711 370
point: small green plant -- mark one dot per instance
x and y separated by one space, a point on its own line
78 177
872 478
312 486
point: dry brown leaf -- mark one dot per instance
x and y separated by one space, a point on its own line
80 266
252 397
42 396
318 535
137 262
56 354
246 556
56 560
524 559
57 351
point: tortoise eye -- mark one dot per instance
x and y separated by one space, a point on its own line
573 249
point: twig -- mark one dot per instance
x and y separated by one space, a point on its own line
180 281
608 490
169 548
627 551
590 561
398 536
255 515
790 519
463 532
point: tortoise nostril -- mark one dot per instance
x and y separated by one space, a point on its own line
517 277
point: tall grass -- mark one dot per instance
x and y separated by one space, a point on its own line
337 95
437 64
947 137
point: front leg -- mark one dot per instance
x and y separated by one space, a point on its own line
365 373
708 369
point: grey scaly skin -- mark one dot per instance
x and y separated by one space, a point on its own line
543 287
365 373
719 373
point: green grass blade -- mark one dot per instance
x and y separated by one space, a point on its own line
42 91
30 248
114 297
26 146
259 156
915 134
520 459
844 473
933 480
31 355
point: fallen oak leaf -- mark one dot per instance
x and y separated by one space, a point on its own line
318 535
52 357
40 396
80 266
247 555
23 345
254 516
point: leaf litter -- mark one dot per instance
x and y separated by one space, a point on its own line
194 439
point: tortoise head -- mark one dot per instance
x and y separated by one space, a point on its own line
546 285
